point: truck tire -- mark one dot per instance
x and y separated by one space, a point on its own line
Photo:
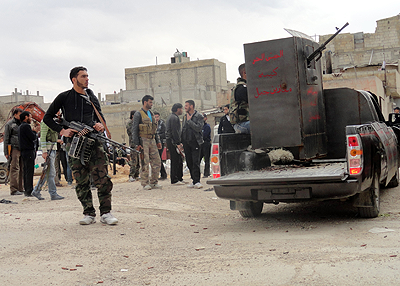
3 174
371 212
394 182
254 210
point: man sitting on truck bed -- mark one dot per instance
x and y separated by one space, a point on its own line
239 109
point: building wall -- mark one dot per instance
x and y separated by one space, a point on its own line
365 48
203 81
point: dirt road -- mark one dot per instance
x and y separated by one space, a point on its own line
180 236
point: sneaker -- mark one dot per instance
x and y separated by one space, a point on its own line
69 183
37 195
108 218
162 178
132 179
190 185
197 186
56 197
156 186
179 183
88 219
147 187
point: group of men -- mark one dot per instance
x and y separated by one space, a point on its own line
191 141
149 135
20 146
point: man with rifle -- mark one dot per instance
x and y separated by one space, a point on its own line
80 105
13 154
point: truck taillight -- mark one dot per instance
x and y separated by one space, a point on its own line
215 161
354 154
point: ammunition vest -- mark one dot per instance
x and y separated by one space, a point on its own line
147 129
235 106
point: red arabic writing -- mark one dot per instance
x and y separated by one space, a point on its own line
268 58
274 73
275 90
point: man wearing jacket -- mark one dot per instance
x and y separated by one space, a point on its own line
27 139
225 125
11 139
48 140
161 134
192 139
173 137
145 137
206 146
133 156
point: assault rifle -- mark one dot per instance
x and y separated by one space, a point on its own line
318 52
43 176
82 142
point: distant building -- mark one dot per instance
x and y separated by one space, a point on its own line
20 97
204 81
368 61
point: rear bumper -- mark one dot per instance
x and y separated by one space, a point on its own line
289 192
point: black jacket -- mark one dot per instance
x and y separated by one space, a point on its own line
74 108
225 126
11 134
27 138
173 129
161 130
192 129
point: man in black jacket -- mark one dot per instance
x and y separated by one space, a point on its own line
225 125
192 138
11 141
173 137
28 145
161 135
79 104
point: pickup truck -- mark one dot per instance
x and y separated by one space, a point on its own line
340 145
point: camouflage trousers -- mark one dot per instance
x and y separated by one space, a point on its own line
134 164
151 157
95 170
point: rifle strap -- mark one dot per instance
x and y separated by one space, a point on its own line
99 116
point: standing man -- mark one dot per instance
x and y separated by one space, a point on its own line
145 137
80 104
192 139
206 147
173 138
27 144
133 156
161 135
239 110
11 149
225 125
48 140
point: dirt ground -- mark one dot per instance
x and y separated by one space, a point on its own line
181 236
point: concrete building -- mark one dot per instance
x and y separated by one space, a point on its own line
17 97
204 81
368 61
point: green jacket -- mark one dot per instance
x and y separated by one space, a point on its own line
47 137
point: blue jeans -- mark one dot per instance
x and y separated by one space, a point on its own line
51 174
242 127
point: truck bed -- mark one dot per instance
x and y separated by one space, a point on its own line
335 171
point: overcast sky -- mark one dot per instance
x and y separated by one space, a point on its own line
42 40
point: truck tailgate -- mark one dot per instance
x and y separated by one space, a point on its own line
285 174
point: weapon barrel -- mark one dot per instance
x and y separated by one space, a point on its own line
323 46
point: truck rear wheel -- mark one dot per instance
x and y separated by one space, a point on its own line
373 211
254 209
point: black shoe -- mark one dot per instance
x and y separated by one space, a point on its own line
28 194
17 193
162 178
